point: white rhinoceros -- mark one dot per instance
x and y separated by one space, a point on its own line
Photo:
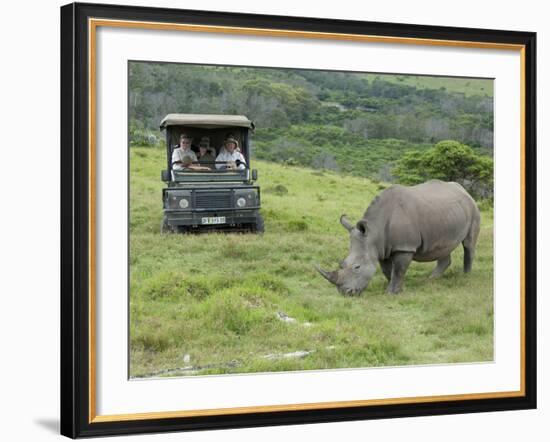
425 222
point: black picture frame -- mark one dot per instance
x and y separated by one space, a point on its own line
76 402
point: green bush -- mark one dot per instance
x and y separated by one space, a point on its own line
448 161
144 137
279 189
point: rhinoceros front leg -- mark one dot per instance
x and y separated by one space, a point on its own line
386 266
400 261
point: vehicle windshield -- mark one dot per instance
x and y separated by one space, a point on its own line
208 175
219 150
211 166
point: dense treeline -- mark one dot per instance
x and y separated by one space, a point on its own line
354 122
333 148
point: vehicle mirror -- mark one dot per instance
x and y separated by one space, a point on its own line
165 175
254 174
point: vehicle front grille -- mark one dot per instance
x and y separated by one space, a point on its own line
211 200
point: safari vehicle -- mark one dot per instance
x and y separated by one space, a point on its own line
213 198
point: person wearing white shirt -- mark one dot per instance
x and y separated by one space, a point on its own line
231 157
182 151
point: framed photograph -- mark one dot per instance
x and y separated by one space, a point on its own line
273 220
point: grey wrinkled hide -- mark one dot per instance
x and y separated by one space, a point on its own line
421 223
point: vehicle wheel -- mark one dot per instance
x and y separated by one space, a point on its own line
259 226
165 227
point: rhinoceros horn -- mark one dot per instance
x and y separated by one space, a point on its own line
346 223
330 276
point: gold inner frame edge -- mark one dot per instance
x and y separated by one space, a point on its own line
93 24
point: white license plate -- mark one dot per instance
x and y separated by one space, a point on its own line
214 220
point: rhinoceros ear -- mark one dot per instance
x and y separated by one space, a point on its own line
362 226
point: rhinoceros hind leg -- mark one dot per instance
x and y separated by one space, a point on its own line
386 266
401 261
442 265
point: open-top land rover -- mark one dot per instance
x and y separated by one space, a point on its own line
212 192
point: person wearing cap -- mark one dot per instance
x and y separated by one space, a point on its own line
230 157
205 157
183 150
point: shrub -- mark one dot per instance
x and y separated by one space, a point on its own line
144 137
279 189
448 161
297 226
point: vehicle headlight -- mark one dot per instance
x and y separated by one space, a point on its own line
178 199
246 198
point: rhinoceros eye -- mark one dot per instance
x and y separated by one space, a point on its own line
357 267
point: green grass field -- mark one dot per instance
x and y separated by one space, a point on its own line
215 303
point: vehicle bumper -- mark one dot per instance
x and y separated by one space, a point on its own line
195 218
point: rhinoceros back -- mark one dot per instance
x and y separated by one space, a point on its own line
429 219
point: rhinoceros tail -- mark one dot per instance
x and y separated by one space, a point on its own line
470 241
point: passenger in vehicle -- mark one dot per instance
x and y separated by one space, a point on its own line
227 136
205 158
229 157
183 150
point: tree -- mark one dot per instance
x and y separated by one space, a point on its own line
448 161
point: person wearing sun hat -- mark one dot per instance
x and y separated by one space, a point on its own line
230 157
183 150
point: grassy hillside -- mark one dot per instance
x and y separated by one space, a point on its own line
234 303
313 146
467 86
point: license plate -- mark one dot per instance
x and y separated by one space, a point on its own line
214 220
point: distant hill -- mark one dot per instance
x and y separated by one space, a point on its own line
359 123
467 86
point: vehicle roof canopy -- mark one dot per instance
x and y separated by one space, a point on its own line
206 121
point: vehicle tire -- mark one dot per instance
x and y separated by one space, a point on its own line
165 227
259 226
